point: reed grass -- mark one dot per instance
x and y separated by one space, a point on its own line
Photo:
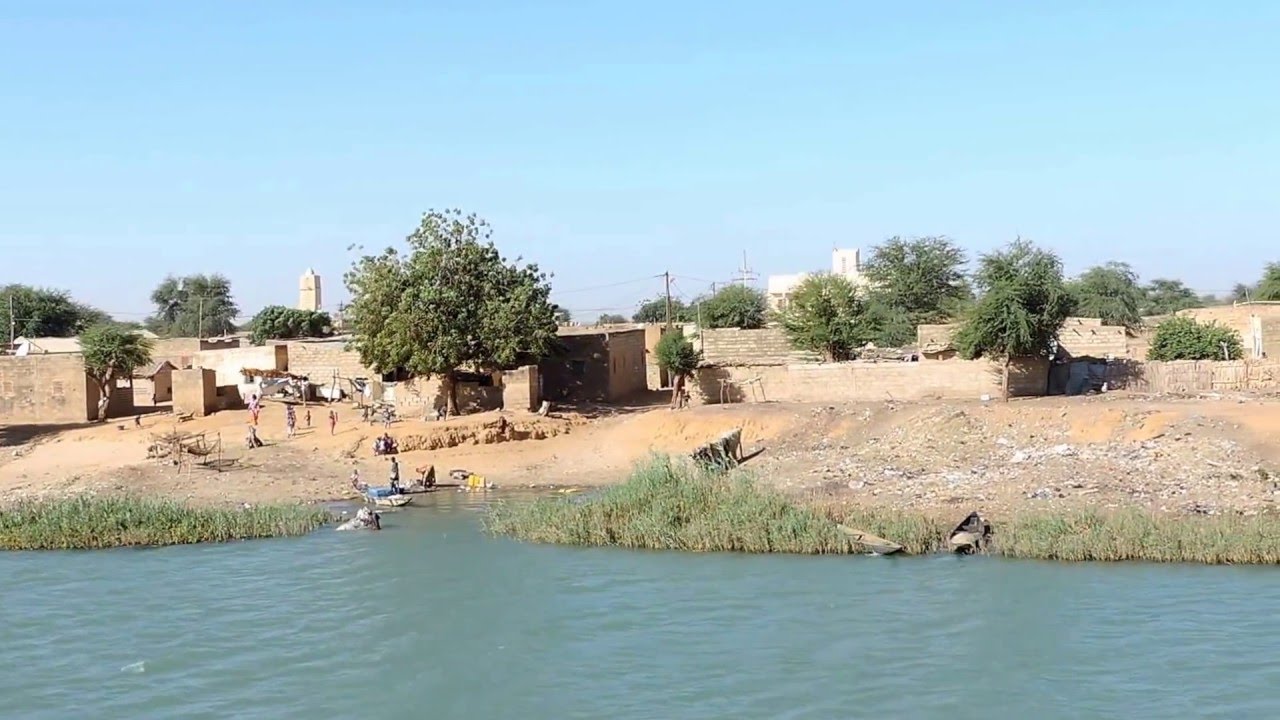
107 522
665 505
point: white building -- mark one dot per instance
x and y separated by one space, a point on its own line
309 291
846 263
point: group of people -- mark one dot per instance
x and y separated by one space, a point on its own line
290 421
384 444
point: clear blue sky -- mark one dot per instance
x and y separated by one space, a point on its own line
610 142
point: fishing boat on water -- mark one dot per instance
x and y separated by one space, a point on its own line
387 496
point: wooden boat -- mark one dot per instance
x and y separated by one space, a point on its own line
874 544
386 497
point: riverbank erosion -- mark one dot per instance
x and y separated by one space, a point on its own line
83 523
1205 456
670 504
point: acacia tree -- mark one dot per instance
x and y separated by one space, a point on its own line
1166 297
735 306
277 322
1109 292
827 315
193 306
1268 288
1183 338
451 303
920 279
655 311
110 353
678 357
44 312
1021 307
611 319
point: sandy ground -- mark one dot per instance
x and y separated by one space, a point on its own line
1203 455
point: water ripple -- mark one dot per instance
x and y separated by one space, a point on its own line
430 618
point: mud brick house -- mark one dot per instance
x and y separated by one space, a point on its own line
595 364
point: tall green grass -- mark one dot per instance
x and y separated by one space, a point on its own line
665 505
107 522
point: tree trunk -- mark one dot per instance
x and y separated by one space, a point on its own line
676 390
450 387
1004 380
104 397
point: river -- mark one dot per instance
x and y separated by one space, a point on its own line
431 618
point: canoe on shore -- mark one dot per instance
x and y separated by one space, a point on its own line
873 543
386 497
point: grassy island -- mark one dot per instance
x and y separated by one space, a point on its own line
668 505
108 522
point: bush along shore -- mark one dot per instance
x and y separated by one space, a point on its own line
108 522
669 505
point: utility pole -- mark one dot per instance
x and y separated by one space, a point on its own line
747 274
200 319
13 323
666 279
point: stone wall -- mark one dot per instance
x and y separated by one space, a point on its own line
320 360
46 388
1240 319
1088 337
520 389
227 364
867 381
731 346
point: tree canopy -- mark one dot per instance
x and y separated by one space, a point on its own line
111 353
562 315
1184 338
44 312
1268 287
1109 292
193 306
655 311
611 319
676 355
277 322
826 314
1022 304
451 303
734 306
1163 296
923 278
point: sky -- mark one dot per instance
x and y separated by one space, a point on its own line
612 142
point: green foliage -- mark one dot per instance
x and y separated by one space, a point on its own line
655 311
1109 292
562 315
1183 338
611 319
922 278
676 354
111 353
193 306
1243 293
827 315
277 322
1269 286
83 523
42 312
452 303
1166 297
665 506
735 306
1022 304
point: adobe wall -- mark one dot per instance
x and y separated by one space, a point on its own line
520 389
627 375
579 372
419 396
1079 337
195 391
1238 318
868 381
227 364
731 346
320 360
46 389
1195 376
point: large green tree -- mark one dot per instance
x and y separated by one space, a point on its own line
277 322
826 314
1109 292
734 306
44 312
1268 287
676 355
1163 296
193 306
111 353
451 303
1022 304
655 311
922 278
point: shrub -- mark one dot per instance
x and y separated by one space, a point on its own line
1184 338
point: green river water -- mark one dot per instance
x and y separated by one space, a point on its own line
432 619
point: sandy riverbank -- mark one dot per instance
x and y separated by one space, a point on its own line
1200 456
